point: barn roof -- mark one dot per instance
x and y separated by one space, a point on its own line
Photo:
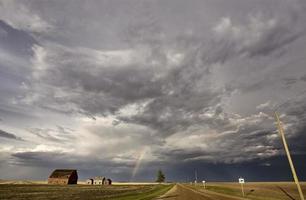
64 173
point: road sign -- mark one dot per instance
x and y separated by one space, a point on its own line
241 180
204 184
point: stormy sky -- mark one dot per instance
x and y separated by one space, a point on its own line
122 88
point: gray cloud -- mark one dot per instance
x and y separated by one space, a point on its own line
87 167
16 41
60 134
7 135
303 78
170 91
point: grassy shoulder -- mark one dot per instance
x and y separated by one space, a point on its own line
255 191
152 193
118 192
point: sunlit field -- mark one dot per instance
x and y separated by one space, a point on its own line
68 192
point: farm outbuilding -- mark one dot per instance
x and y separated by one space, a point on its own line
89 181
63 176
99 180
108 182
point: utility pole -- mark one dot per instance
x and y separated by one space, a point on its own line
281 132
195 176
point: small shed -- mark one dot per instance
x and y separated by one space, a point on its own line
108 182
89 181
63 177
99 180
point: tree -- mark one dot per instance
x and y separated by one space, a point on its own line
160 176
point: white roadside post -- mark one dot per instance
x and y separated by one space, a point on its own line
204 184
241 181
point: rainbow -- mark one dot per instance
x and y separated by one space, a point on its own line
138 162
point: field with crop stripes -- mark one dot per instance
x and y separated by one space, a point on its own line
68 192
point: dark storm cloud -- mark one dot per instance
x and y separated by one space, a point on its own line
270 169
7 135
295 120
113 86
179 95
86 167
46 159
177 98
303 78
290 81
232 148
15 54
262 35
15 41
199 90
53 159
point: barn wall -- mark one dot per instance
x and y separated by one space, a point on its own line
59 181
73 179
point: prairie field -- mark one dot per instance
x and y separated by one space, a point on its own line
88 192
254 190
35 190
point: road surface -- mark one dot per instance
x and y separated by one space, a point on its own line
182 192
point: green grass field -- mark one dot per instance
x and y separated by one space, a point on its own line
256 191
118 192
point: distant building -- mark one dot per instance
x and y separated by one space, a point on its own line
63 176
99 180
89 181
108 182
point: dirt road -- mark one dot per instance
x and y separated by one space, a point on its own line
182 192
179 192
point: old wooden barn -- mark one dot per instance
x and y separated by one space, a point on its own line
63 176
